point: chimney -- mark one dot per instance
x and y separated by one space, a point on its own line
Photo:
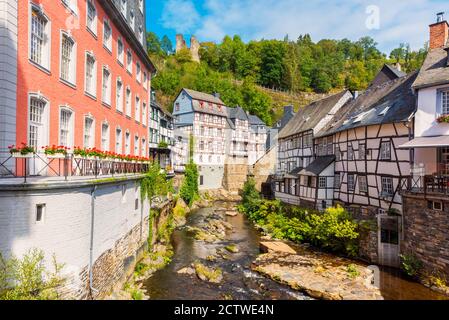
288 109
439 32
398 66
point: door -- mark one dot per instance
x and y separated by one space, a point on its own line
37 135
389 240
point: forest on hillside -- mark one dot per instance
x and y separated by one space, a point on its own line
237 69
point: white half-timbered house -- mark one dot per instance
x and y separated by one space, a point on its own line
296 144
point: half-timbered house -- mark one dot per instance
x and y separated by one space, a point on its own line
296 143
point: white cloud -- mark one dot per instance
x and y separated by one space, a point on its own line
180 15
400 20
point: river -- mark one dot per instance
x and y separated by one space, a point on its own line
240 283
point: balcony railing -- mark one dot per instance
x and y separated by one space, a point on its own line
40 165
428 184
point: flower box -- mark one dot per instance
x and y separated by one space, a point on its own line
22 156
56 156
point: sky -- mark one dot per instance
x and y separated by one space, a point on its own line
389 22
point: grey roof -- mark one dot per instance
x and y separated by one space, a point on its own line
435 70
203 96
295 171
289 113
390 102
317 166
255 120
237 113
308 117
398 73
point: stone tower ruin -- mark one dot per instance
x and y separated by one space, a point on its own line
194 46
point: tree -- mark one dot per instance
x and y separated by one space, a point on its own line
166 45
189 189
153 43
155 183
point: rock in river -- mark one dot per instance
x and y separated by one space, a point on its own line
277 246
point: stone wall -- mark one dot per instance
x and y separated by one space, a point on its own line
84 223
235 176
264 167
426 232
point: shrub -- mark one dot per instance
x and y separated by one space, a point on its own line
411 265
28 279
189 189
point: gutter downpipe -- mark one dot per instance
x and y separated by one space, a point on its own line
91 249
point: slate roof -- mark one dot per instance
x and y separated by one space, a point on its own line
255 120
370 108
308 117
203 96
317 166
286 117
435 70
398 73
237 113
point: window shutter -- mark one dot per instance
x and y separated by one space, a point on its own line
438 106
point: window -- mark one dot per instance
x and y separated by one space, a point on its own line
119 95
337 153
144 148
107 36
337 181
40 213
40 38
435 205
65 128
128 102
350 153
141 37
68 58
141 5
385 151
322 182
129 61
120 51
105 137
36 127
127 143
363 184
201 180
132 20
138 75
124 193
351 182
362 151
137 111
145 80
91 75
136 145
118 141
72 5
144 113
106 87
89 132
445 102
91 17
387 186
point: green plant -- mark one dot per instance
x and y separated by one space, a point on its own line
163 145
27 278
189 189
352 271
411 265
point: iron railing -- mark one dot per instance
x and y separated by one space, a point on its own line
436 184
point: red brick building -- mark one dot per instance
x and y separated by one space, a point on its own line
81 77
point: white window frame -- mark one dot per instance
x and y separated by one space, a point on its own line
118 140
120 55
128 101
72 5
127 142
45 51
144 113
363 183
73 55
385 153
92 93
124 7
119 95
107 43
43 124
129 61
444 102
94 27
105 138
143 153
351 186
145 80
322 182
138 72
137 114
91 132
136 145
106 87
70 129
387 185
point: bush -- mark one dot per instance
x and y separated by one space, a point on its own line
189 189
28 279
334 230
411 265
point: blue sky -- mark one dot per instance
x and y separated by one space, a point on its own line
389 22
